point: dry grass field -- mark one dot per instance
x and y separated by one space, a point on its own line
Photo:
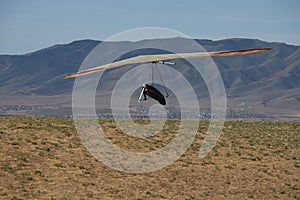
43 158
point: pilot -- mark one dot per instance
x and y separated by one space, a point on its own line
149 90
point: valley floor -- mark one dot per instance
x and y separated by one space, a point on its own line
43 158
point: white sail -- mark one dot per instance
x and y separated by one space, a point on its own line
163 57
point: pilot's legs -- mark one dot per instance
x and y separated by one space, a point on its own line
141 95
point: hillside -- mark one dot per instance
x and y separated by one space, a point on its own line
267 83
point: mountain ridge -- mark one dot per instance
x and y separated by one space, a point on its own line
268 82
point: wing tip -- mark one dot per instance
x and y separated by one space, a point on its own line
68 76
265 49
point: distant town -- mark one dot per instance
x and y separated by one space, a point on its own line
135 112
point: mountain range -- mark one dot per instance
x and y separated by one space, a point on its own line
266 83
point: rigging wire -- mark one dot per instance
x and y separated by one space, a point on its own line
160 76
152 72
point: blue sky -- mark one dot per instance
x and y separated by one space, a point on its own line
34 24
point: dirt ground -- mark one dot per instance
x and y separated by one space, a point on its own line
43 158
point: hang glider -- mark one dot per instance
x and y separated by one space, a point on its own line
161 58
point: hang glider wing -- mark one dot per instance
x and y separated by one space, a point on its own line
163 57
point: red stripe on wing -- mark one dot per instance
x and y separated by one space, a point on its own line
242 51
